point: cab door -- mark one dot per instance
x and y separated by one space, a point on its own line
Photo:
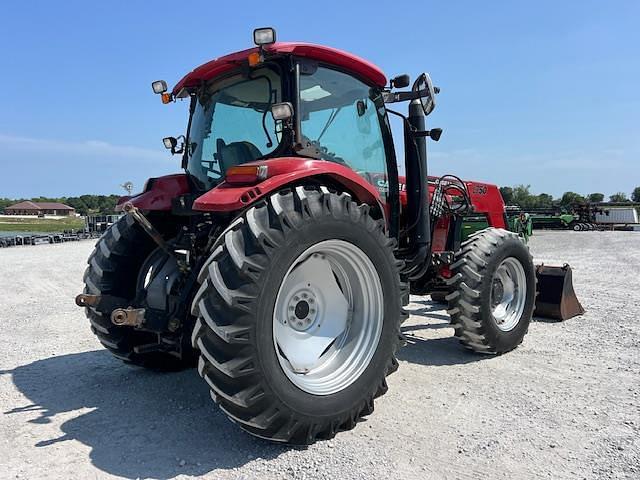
345 120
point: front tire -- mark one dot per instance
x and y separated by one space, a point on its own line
267 369
494 297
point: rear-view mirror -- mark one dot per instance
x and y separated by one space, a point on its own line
424 85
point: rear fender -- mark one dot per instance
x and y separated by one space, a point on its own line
284 172
158 194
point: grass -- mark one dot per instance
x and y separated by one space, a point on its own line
8 224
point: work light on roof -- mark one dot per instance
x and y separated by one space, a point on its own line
264 36
159 86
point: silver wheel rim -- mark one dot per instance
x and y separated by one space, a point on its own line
328 317
508 294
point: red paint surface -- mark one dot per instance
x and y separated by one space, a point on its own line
347 61
160 193
445 271
282 172
489 202
440 234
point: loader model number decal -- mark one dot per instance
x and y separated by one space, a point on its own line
479 189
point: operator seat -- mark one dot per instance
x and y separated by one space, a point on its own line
236 153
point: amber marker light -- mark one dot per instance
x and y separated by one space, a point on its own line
254 59
247 174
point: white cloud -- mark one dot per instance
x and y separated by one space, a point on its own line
88 147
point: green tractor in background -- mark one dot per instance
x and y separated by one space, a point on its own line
520 223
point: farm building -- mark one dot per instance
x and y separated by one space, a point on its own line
40 208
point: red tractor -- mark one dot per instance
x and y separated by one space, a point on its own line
281 259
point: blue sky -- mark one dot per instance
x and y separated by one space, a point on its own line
543 93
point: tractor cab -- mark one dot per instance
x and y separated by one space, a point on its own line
303 102
283 100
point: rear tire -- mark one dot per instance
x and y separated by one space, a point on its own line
492 265
237 331
113 270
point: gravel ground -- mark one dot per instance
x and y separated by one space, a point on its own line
563 405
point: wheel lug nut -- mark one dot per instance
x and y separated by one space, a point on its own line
311 300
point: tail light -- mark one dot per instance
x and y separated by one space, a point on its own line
247 174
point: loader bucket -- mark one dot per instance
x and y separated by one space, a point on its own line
556 298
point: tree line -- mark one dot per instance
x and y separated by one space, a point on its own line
521 196
84 204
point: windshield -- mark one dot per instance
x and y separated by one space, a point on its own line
232 124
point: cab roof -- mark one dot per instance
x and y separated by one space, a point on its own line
367 71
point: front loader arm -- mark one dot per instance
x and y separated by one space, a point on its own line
486 199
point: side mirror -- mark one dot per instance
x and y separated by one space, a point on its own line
282 111
400 81
424 85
